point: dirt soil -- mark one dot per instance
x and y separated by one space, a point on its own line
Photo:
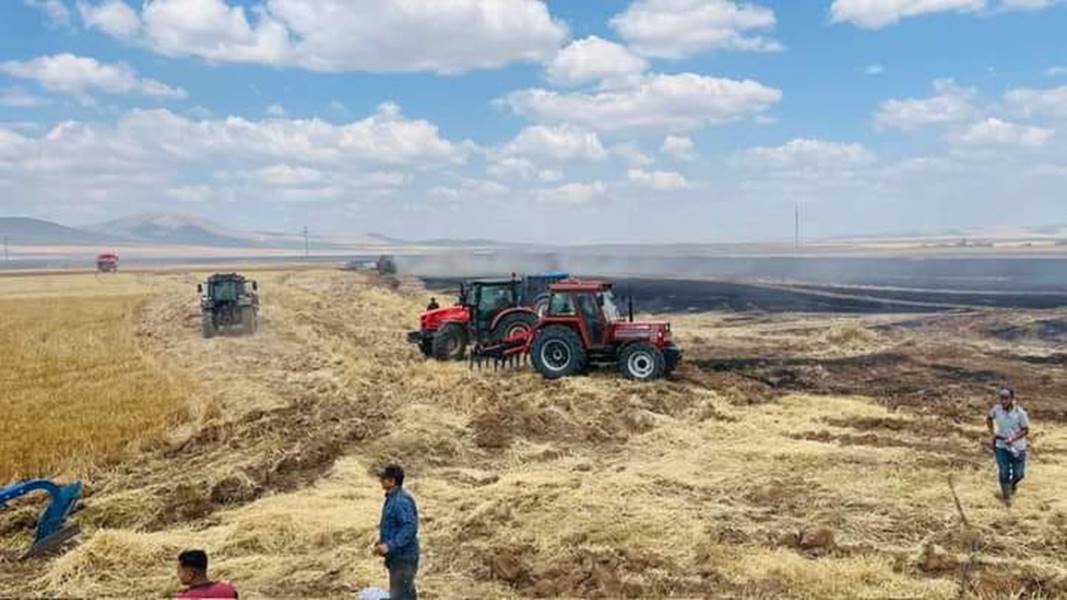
793 455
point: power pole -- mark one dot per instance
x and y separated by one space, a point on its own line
306 245
796 225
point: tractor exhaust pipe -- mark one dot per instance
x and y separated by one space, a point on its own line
630 303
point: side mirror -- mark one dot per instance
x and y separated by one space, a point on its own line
199 288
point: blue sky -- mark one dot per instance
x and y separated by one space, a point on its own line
565 121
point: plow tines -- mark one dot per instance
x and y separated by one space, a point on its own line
508 354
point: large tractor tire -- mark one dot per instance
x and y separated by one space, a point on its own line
450 342
558 352
540 305
207 325
514 324
642 362
248 320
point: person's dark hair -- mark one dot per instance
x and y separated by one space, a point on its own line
1010 392
194 559
394 472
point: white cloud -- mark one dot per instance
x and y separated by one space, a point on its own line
995 132
664 181
683 28
632 154
55 11
562 143
512 167
1029 102
113 17
288 175
1056 71
679 147
876 14
276 110
874 69
672 102
806 154
190 193
594 59
386 137
550 175
572 193
952 103
17 97
77 75
356 35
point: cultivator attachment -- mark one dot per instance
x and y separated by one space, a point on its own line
509 353
52 529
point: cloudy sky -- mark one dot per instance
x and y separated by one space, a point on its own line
558 121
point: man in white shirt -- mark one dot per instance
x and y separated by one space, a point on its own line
1009 426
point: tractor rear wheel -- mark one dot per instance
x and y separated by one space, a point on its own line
207 324
558 352
514 324
450 342
642 362
248 320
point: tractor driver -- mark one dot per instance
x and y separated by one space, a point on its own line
433 305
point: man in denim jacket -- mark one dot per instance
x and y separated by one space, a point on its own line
398 534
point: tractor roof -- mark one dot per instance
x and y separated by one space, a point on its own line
107 256
226 277
574 285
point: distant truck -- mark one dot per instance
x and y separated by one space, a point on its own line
107 263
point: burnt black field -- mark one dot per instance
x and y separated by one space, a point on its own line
690 295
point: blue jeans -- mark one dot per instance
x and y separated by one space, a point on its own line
402 580
1012 470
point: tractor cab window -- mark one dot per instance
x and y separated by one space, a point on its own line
226 291
494 298
561 305
608 306
587 304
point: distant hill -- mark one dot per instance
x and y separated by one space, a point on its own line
35 232
174 229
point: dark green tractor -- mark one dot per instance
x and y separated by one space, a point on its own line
229 302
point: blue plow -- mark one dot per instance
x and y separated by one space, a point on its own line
52 527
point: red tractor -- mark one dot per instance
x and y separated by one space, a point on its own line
582 327
107 263
488 311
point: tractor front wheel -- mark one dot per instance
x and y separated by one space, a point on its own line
558 352
513 325
450 342
642 362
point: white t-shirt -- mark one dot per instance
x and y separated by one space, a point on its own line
1009 424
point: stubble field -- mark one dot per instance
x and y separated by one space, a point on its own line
792 455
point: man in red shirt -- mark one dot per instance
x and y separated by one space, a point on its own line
192 571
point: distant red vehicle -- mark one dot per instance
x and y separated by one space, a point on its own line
107 263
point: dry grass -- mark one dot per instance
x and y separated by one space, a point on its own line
76 388
591 487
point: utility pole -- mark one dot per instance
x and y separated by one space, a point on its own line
306 245
796 224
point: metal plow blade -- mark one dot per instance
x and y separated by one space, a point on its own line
52 529
511 353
